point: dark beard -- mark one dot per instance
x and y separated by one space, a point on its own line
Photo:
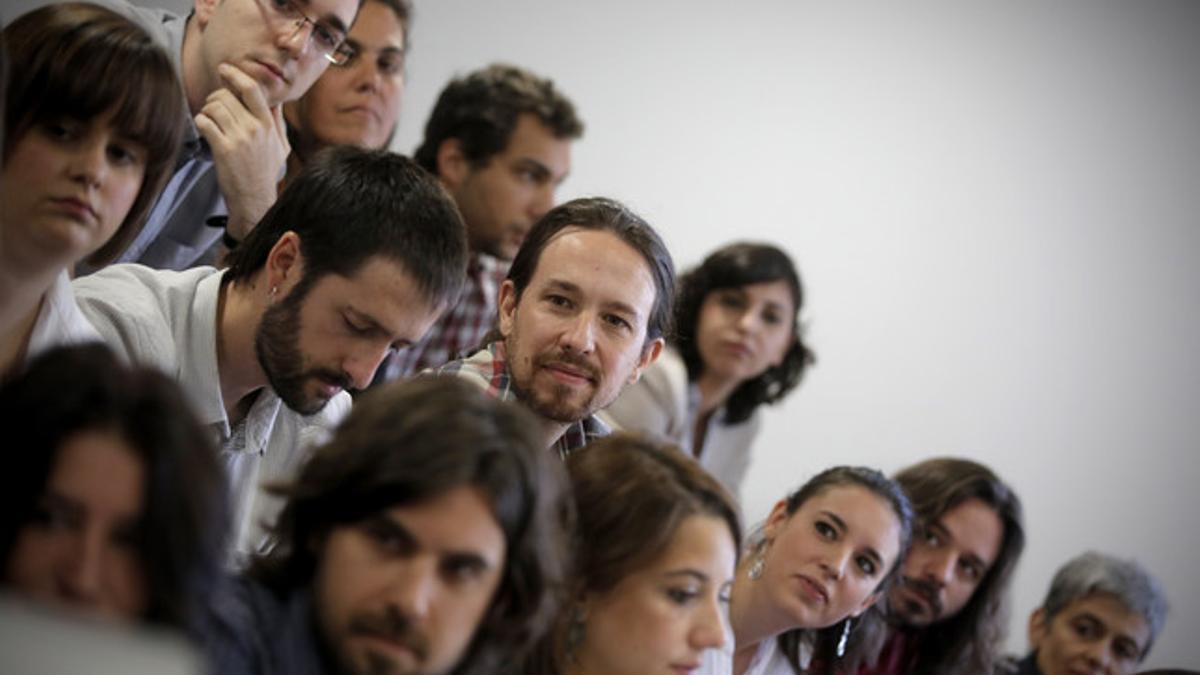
554 409
277 345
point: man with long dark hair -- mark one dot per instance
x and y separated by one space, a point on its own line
583 311
426 537
948 608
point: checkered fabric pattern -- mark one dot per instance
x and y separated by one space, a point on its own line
461 328
488 368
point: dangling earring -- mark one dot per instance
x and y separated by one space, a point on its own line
841 645
575 632
274 291
756 568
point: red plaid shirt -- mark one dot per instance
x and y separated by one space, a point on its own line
461 329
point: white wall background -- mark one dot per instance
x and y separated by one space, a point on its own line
994 207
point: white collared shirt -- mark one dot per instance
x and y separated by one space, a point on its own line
59 321
169 320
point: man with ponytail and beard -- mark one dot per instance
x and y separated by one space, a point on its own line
582 312
358 257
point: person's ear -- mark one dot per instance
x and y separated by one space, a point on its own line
204 11
285 263
649 355
453 167
506 303
778 516
1037 627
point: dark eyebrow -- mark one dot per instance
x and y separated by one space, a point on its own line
574 289
542 171
466 559
841 524
564 286
394 529
1131 642
870 551
689 572
969 556
777 306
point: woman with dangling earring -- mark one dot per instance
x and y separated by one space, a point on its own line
804 596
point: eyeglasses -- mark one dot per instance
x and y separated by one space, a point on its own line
330 41
389 61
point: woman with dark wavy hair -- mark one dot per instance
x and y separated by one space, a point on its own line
116 498
737 345
92 124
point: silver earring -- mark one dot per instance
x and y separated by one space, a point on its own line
756 568
841 645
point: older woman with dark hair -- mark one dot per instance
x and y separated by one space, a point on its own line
737 345
92 121
116 500
655 545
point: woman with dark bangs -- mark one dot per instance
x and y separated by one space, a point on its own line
116 499
92 124
737 345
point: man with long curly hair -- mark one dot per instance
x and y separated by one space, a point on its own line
948 609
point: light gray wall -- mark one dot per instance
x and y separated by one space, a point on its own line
994 206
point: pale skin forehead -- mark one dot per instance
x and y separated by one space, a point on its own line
598 262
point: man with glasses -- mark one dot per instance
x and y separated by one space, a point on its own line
239 61
356 102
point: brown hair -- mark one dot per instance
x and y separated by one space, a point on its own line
181 536
481 111
607 215
631 495
968 641
733 266
79 61
408 442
